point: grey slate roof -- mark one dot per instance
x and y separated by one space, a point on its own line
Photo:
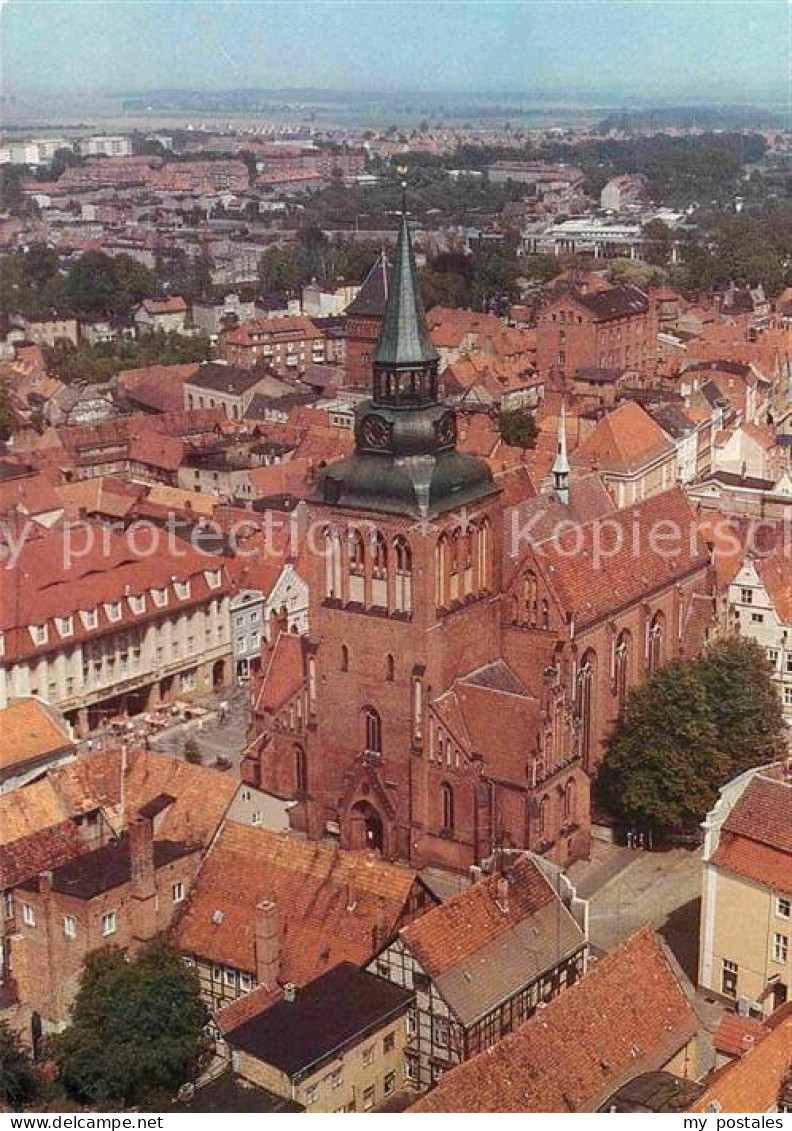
329 1014
371 299
405 340
509 963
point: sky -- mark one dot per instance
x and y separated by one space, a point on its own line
668 48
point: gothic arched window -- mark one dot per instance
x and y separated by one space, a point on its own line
379 550
621 667
300 770
484 536
447 798
466 548
441 571
402 595
656 642
373 731
332 552
379 571
356 564
530 598
455 564
585 703
569 801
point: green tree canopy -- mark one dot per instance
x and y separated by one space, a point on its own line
685 732
19 1081
518 428
136 1029
744 701
8 417
659 240
102 361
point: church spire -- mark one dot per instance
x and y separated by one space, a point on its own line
404 342
561 463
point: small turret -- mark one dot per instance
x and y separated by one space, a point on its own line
561 462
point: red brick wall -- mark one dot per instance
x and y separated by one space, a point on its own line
47 966
362 335
615 344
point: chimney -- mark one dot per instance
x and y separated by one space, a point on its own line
45 883
268 946
141 853
474 871
502 899
290 992
142 884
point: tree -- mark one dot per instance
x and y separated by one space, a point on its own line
444 288
99 284
192 752
136 1029
744 702
9 420
19 1081
662 766
659 241
12 198
634 274
518 428
281 269
692 727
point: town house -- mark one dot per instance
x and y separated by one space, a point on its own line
481 963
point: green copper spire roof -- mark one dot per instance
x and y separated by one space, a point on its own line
404 341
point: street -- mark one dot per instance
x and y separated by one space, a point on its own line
215 739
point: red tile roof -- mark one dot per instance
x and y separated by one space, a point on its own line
172 305
201 795
735 1035
624 441
470 920
285 672
634 561
756 838
335 906
755 1081
764 811
627 1015
47 584
29 731
40 851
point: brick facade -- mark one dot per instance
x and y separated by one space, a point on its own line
614 329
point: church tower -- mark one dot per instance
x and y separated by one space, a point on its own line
405 552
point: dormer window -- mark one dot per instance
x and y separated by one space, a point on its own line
89 617
182 589
159 597
64 625
137 605
113 610
213 578
39 634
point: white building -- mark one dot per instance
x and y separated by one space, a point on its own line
113 626
106 146
31 151
760 607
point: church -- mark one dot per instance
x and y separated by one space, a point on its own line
455 687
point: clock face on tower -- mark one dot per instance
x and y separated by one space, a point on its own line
374 432
446 429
